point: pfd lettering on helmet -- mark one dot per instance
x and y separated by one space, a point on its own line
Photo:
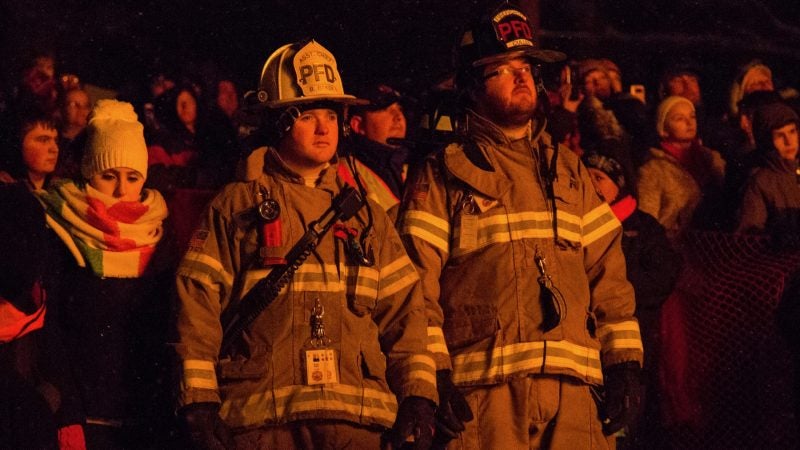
512 28
316 70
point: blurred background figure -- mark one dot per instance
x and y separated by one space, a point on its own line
680 173
31 156
771 200
378 131
74 105
38 404
653 267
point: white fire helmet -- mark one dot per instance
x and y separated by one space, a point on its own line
302 72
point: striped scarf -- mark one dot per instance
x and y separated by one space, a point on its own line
114 238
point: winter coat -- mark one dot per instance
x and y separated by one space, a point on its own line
669 192
771 199
475 220
374 316
37 395
115 328
653 267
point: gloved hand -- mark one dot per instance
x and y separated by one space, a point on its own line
205 428
414 418
623 396
452 412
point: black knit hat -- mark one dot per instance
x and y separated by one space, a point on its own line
607 165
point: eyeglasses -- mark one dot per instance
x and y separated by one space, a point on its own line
504 71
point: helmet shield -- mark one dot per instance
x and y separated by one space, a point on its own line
503 34
302 72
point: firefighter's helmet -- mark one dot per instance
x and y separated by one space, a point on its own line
299 73
503 33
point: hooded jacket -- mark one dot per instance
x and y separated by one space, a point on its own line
475 219
771 200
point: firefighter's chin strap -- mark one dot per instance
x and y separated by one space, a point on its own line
364 255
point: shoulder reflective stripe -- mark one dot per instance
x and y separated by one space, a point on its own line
303 401
526 357
421 367
396 276
597 223
619 336
377 187
195 262
431 229
436 343
199 374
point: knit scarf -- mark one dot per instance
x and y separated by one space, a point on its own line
691 159
624 207
114 238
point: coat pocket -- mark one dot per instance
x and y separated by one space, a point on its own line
469 325
373 364
244 366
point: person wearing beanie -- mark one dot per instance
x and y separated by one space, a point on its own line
653 267
753 76
116 265
771 198
607 113
681 173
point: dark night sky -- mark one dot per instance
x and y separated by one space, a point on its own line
117 42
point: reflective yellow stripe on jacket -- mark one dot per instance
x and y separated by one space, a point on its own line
527 357
278 405
199 374
620 336
206 270
436 342
313 277
431 229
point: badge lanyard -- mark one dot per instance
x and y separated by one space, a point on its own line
320 359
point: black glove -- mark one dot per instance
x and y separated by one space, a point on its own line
414 418
452 412
205 428
623 395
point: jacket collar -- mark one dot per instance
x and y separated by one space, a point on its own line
473 161
276 167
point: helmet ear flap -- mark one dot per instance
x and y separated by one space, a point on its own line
345 128
286 120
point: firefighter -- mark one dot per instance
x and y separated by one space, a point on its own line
328 362
530 311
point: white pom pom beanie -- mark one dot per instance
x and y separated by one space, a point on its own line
114 138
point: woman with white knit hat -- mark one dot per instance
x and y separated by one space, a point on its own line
116 272
680 173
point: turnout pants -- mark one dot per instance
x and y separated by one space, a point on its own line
534 412
310 434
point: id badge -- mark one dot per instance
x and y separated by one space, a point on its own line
468 235
321 366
